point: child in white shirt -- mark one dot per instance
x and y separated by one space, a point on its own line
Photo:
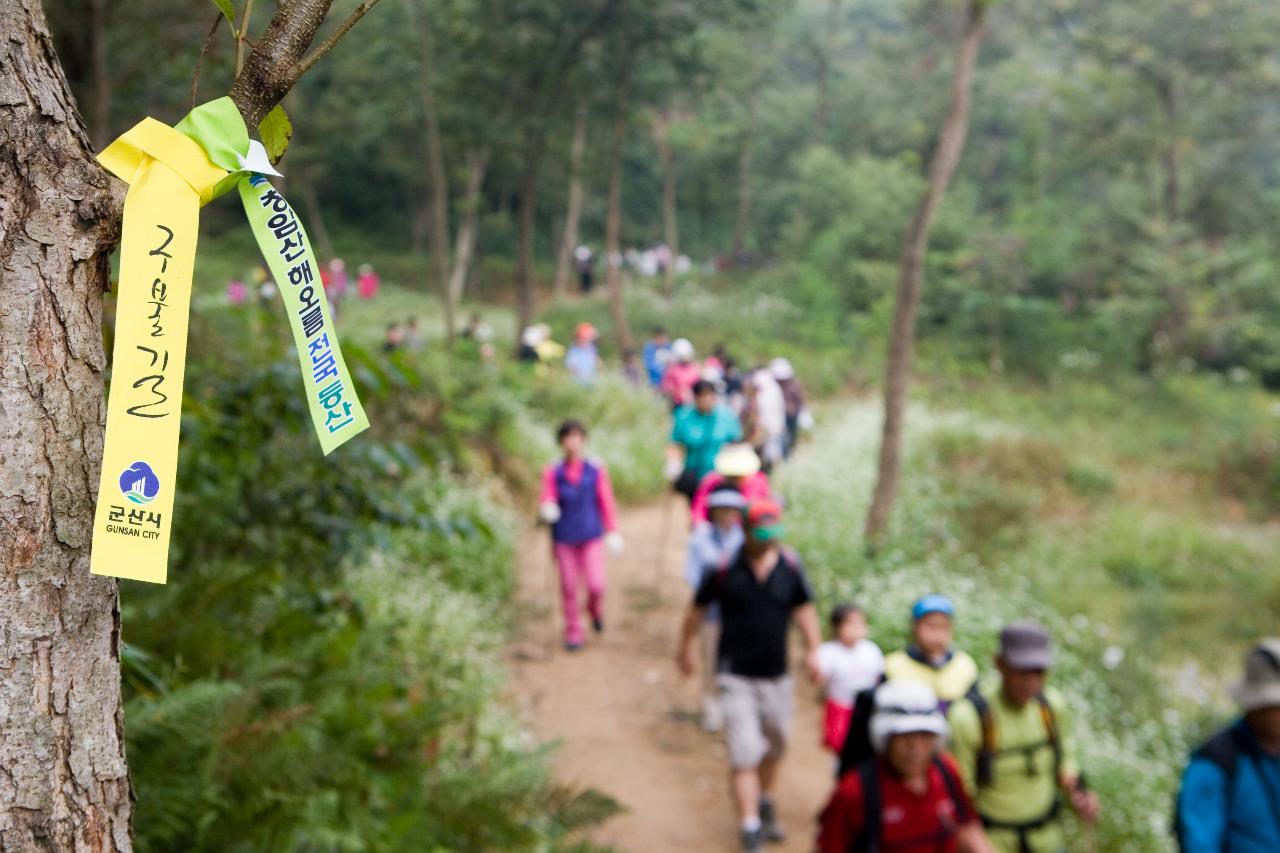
850 663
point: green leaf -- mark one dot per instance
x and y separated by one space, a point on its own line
276 131
228 11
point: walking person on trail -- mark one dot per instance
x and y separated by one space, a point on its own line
584 260
713 544
736 465
681 374
760 593
908 796
577 501
1230 795
657 352
930 658
697 434
768 418
796 410
850 663
1013 743
583 359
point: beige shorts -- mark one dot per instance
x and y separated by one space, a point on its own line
757 717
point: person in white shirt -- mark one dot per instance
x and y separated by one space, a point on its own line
849 664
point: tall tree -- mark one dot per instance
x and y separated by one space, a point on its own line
613 215
62 749
438 220
573 211
915 245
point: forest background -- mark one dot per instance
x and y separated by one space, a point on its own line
1096 426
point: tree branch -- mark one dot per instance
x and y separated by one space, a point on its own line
242 34
335 36
204 49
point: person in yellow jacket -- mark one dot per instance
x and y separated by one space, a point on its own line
1012 741
930 658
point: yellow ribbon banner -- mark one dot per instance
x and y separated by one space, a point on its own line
169 178
171 173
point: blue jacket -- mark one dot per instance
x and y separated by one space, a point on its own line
1235 811
654 361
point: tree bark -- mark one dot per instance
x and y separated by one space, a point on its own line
742 221
822 112
101 76
613 219
911 278
569 240
526 283
670 225
1169 157
64 781
438 223
468 227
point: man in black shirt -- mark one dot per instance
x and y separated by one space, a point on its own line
759 593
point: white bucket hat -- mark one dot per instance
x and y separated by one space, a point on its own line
1261 685
902 707
781 369
682 349
737 460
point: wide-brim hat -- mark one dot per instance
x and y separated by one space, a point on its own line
1261 685
1025 646
737 460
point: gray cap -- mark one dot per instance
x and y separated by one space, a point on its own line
1261 685
1025 645
727 499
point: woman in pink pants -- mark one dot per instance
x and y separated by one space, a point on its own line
577 501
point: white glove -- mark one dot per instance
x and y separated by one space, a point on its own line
671 470
614 542
549 512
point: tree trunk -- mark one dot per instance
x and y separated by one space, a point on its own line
822 112
670 226
1169 157
315 217
64 783
526 283
745 156
613 219
569 240
101 76
438 223
464 248
911 279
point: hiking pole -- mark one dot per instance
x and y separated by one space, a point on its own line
1090 827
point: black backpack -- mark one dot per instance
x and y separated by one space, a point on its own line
869 840
857 743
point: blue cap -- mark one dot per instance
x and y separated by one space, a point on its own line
933 603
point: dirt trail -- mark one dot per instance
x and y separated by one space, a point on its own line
627 722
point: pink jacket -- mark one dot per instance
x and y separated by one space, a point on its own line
677 382
573 473
753 488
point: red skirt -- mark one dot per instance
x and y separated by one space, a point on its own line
835 725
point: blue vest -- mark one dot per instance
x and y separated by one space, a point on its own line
579 507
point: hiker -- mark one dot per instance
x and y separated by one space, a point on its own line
414 338
577 501
736 465
657 351
930 657
850 664
1230 795
712 545
394 338
768 418
582 359
796 411
367 282
908 797
529 340
584 260
632 370
1013 744
680 375
697 434
760 593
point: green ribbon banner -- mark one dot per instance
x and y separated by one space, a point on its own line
336 412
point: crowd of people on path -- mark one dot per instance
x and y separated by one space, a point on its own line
930 753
